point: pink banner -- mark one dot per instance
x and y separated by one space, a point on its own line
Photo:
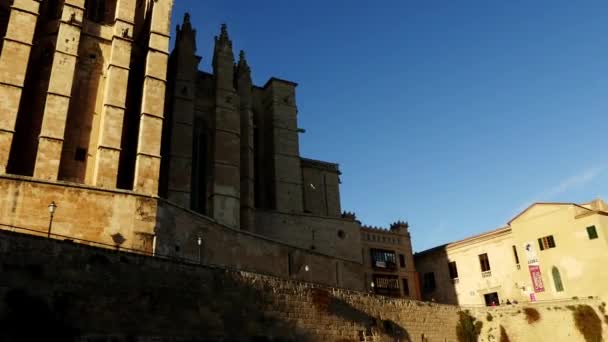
537 279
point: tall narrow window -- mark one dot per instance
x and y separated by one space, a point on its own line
557 279
199 167
592 232
484 262
100 11
401 260
406 288
515 255
429 281
453 270
95 10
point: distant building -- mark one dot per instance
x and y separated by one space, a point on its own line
388 261
549 251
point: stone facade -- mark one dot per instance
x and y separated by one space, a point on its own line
550 251
388 261
141 150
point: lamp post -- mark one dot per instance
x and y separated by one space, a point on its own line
199 242
372 285
52 208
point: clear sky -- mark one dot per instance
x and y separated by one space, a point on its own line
453 115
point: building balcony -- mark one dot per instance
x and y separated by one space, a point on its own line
386 266
486 274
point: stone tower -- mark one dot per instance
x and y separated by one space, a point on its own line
82 84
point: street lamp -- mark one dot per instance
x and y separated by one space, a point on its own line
372 285
306 268
52 208
199 242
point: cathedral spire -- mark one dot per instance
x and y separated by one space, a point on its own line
186 35
223 58
242 66
223 40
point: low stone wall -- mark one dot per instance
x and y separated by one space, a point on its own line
555 321
60 291
113 217
178 230
124 219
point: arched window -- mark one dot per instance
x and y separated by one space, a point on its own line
557 280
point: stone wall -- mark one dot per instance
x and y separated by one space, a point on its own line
55 290
129 220
178 231
327 235
555 321
107 216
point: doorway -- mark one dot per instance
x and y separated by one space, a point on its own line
491 298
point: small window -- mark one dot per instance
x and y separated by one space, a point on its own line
406 288
484 262
402 260
81 154
515 255
546 242
453 270
429 281
592 232
341 234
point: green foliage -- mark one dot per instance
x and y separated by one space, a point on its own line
489 317
532 315
588 323
503 335
468 328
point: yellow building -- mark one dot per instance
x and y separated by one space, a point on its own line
549 251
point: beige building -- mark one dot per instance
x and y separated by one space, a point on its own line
140 150
388 262
549 251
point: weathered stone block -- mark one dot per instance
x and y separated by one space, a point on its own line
13 62
154 97
11 97
21 26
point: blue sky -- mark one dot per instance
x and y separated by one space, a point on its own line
453 115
